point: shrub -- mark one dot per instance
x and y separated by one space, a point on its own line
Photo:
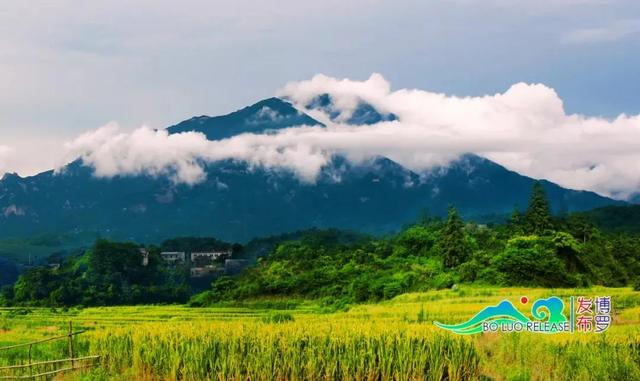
442 281
531 261
278 317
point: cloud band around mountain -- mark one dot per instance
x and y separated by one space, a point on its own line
524 129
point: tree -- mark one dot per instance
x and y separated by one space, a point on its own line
452 240
538 215
531 261
569 250
417 240
515 222
581 227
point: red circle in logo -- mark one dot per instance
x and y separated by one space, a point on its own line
524 300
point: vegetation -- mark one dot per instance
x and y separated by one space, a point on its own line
341 268
453 243
110 273
385 341
34 249
194 244
538 217
531 250
618 218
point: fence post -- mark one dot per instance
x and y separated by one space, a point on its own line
30 367
71 345
30 364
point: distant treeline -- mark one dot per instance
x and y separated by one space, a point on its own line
110 273
532 249
336 267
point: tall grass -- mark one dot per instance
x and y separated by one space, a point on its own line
393 340
289 351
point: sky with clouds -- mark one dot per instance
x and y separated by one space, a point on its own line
70 67
525 128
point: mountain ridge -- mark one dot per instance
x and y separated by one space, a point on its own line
266 115
237 202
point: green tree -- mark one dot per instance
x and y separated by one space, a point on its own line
581 227
538 216
515 222
531 261
452 240
417 240
569 250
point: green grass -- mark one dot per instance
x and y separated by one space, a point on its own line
385 341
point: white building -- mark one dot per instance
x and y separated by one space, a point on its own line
173 256
211 255
145 256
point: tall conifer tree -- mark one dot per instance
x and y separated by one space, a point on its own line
452 242
538 216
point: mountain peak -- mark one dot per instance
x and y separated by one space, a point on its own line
267 115
363 114
10 175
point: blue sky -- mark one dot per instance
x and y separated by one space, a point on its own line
68 67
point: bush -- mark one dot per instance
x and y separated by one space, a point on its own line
277 317
332 304
529 261
360 290
18 312
200 300
391 290
442 281
469 271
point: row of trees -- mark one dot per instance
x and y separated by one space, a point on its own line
532 249
536 221
110 273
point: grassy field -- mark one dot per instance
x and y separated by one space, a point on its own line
394 340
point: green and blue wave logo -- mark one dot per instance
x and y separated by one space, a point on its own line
547 316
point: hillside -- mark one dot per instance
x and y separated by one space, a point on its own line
619 218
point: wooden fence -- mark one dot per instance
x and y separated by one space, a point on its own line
69 364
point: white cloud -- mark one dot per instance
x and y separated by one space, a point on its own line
67 65
154 152
525 129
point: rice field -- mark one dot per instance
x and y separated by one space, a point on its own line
393 340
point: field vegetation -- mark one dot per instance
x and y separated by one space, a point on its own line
390 340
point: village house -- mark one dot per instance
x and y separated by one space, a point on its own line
200 263
145 256
173 257
208 256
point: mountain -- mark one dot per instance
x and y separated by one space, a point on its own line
237 202
267 115
478 186
364 113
